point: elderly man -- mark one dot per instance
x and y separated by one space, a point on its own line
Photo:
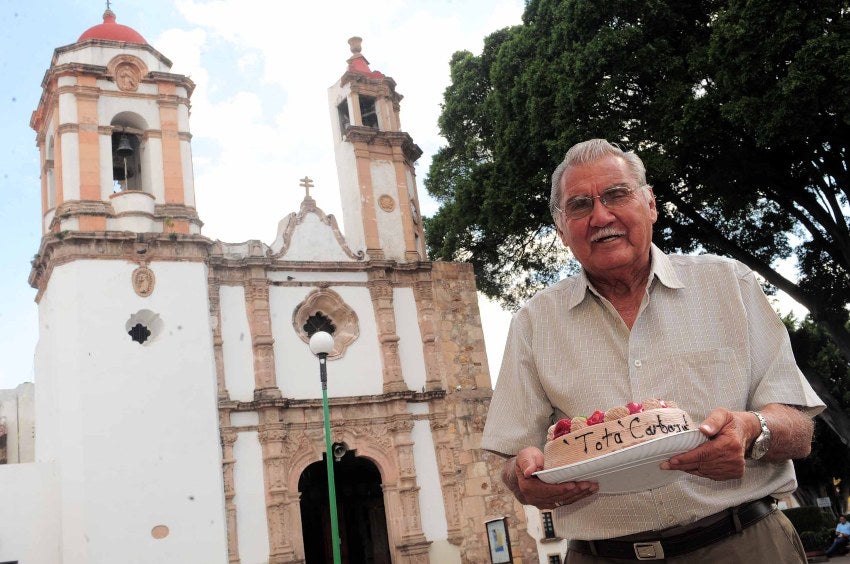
634 324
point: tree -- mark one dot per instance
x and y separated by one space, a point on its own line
738 108
830 457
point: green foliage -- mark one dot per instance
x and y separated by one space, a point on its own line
738 108
810 519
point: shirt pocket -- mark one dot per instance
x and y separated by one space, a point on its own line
699 381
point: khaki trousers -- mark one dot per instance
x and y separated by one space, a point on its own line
772 540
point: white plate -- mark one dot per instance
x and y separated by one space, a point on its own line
632 469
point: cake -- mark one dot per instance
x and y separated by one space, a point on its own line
581 438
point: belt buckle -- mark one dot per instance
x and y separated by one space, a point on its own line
649 550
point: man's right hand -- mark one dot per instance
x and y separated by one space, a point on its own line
517 474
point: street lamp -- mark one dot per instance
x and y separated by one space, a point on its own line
321 344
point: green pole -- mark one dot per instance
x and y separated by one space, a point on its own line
323 373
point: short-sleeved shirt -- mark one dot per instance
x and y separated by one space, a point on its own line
705 337
843 528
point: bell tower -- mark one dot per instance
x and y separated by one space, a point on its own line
113 132
126 401
375 160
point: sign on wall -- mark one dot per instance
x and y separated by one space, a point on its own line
500 544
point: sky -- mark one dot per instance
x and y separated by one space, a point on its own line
259 118
259 121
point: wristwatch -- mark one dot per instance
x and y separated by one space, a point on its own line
762 443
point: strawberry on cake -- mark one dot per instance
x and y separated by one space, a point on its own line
582 438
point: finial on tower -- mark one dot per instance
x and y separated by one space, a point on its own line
355 43
357 62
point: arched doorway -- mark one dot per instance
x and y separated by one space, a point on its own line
360 505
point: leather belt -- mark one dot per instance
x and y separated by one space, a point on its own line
657 546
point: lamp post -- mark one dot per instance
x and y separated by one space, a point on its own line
321 344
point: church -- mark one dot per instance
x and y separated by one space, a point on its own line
178 407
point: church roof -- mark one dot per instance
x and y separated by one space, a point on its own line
112 31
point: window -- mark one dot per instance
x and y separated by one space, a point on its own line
368 111
554 558
548 525
344 118
126 169
318 322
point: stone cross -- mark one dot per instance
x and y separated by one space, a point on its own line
306 183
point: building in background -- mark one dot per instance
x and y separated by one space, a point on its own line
178 409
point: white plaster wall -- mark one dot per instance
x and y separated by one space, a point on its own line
358 372
431 506
237 348
314 240
444 552
251 521
68 105
70 165
153 174
102 55
29 520
390 230
346 169
535 530
108 107
410 338
318 276
133 429
186 162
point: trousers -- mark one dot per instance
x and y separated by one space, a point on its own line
773 540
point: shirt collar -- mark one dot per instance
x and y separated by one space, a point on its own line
660 268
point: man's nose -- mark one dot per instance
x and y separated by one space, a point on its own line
600 214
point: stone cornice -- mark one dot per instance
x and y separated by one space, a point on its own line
372 136
64 247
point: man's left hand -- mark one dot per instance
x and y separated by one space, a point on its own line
722 457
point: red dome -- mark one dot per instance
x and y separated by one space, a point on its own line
112 31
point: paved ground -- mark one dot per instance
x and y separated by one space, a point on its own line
838 559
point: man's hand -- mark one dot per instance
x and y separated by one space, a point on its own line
731 433
517 474
722 457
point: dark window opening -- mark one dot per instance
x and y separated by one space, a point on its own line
139 333
548 525
344 119
554 559
368 111
319 322
126 164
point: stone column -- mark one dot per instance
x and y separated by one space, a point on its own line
448 469
215 321
381 290
228 439
259 319
414 546
275 469
424 295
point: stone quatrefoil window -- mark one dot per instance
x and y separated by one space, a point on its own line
318 322
144 326
324 310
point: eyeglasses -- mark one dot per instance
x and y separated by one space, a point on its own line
614 197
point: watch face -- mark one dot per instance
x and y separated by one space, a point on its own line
760 448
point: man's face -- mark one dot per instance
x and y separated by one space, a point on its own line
609 243
842 519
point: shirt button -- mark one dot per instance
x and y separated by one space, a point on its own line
638 363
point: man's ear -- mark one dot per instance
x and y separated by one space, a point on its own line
651 202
